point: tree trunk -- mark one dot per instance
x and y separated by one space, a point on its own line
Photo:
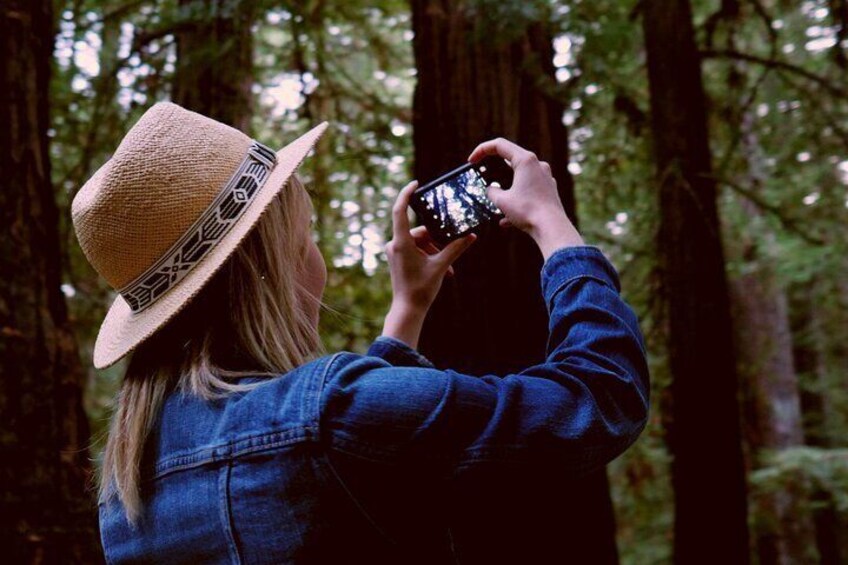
784 531
772 413
476 83
318 107
214 73
47 513
703 428
811 324
839 16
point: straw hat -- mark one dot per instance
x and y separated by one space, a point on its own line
163 214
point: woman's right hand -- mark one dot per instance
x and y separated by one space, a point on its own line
532 204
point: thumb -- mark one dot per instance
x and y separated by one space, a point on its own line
454 249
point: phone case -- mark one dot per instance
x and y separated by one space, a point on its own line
455 204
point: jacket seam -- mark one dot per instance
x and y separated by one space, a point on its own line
468 457
323 383
314 388
225 511
346 443
581 251
103 508
225 452
561 287
356 502
406 352
254 443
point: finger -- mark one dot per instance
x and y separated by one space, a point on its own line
546 166
499 146
455 248
424 240
400 221
505 223
449 272
427 247
420 233
494 193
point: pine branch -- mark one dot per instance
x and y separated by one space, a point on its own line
829 119
729 11
775 64
120 11
768 22
789 223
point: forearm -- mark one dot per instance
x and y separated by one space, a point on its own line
577 410
551 231
404 322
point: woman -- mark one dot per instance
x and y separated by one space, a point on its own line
236 440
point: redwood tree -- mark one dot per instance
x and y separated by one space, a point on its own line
47 513
214 70
703 428
484 73
771 414
816 326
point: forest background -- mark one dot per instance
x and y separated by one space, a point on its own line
702 145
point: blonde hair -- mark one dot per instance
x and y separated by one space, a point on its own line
249 320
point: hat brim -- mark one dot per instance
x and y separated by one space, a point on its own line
122 330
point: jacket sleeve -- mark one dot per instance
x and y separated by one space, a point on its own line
397 353
584 405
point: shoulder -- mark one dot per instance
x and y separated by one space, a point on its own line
372 407
354 382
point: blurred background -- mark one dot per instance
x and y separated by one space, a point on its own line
702 145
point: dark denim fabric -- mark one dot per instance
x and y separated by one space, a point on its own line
356 458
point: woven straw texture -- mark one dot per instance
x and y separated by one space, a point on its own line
163 176
166 172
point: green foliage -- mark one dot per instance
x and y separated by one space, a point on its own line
351 63
814 473
499 22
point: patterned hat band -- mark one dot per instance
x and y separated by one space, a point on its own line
215 222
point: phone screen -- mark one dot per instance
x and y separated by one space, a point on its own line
459 203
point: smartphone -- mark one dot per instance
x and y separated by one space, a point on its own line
456 204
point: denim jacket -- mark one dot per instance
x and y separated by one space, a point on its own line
361 458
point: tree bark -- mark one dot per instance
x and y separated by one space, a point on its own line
784 533
474 84
317 108
772 412
839 16
214 72
813 332
47 514
703 428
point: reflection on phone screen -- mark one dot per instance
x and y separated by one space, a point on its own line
460 203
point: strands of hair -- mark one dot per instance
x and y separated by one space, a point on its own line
251 319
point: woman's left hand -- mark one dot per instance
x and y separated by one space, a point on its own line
417 268
416 264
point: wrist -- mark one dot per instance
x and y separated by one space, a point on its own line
404 322
554 233
408 308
